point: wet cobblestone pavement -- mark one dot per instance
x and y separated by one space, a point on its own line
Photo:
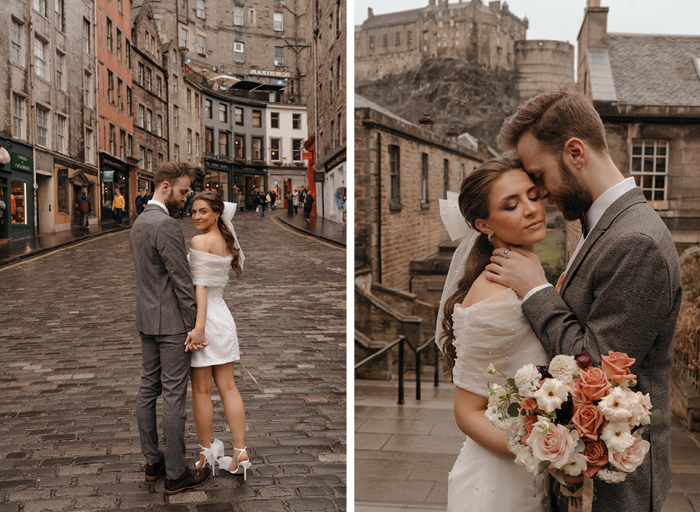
71 364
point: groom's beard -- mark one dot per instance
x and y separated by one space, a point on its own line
574 196
172 204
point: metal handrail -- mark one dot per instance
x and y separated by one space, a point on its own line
400 341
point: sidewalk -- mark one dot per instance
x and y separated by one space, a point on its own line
403 453
328 230
13 251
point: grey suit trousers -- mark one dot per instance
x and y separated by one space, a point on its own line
165 369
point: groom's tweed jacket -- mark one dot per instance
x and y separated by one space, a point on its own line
165 302
622 293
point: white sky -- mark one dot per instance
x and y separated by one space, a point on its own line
560 20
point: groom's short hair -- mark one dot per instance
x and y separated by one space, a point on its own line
553 118
172 171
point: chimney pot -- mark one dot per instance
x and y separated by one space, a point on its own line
426 122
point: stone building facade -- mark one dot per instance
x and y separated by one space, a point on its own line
150 98
482 34
326 103
49 124
285 136
646 89
401 172
236 37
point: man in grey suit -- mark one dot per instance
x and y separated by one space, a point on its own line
165 313
621 290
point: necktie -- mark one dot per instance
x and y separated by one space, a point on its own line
584 224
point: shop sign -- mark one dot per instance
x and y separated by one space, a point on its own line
107 176
21 162
269 73
63 174
318 177
338 159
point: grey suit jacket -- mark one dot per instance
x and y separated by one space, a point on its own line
165 302
622 293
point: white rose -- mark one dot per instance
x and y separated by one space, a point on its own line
563 368
616 406
526 460
577 463
617 437
527 379
628 460
551 395
639 407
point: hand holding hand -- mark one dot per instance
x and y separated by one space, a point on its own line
518 269
196 340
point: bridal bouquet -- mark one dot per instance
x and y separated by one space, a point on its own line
574 419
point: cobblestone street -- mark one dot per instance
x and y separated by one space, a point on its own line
71 364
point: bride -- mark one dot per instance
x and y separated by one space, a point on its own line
481 322
212 255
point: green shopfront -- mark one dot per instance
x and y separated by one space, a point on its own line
17 191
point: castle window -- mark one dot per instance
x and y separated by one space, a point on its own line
371 43
649 168
385 41
398 39
409 38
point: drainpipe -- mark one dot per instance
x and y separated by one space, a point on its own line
379 206
35 194
317 140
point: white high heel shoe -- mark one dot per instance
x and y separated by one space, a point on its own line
242 465
211 455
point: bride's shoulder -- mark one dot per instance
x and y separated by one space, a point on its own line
199 243
481 289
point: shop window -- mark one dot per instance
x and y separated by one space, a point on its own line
17 204
62 191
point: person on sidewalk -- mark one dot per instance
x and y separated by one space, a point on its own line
262 201
273 200
118 205
290 205
84 207
308 206
165 312
295 200
139 202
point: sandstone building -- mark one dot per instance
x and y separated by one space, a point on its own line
646 88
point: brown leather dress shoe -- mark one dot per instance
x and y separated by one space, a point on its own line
190 479
153 471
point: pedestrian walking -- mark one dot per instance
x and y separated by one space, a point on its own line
188 202
308 205
295 200
84 207
212 255
289 197
118 205
139 202
165 313
262 201
273 200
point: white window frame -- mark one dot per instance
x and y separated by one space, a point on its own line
200 9
58 14
61 134
296 121
176 112
87 89
149 120
159 125
142 116
201 45
40 7
176 152
44 126
19 116
274 119
41 65
196 144
238 16
86 36
184 38
278 25
275 141
238 52
297 150
279 59
88 146
17 44
189 141
656 153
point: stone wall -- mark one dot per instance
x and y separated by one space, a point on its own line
543 65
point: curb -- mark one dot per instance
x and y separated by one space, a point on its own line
306 232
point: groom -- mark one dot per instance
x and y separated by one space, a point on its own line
165 313
621 290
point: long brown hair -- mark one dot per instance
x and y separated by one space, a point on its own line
474 204
216 203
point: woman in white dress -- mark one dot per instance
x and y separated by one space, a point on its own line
481 322
212 255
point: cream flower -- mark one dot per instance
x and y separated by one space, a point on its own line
639 407
526 460
563 368
616 406
611 477
617 436
628 460
551 395
577 463
556 445
527 379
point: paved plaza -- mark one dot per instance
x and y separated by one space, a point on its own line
403 453
72 361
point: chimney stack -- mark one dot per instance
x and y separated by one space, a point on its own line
426 122
452 134
370 13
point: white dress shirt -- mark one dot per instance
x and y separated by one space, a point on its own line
159 204
594 213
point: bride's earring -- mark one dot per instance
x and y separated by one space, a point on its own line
490 238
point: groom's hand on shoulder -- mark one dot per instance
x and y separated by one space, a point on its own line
519 270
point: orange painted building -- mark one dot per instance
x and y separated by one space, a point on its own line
114 100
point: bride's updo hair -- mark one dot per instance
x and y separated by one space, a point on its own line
216 203
474 204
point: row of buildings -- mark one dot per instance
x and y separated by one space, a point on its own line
96 93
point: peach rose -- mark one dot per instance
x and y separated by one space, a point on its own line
555 445
588 420
616 366
597 455
592 384
529 404
628 460
529 423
